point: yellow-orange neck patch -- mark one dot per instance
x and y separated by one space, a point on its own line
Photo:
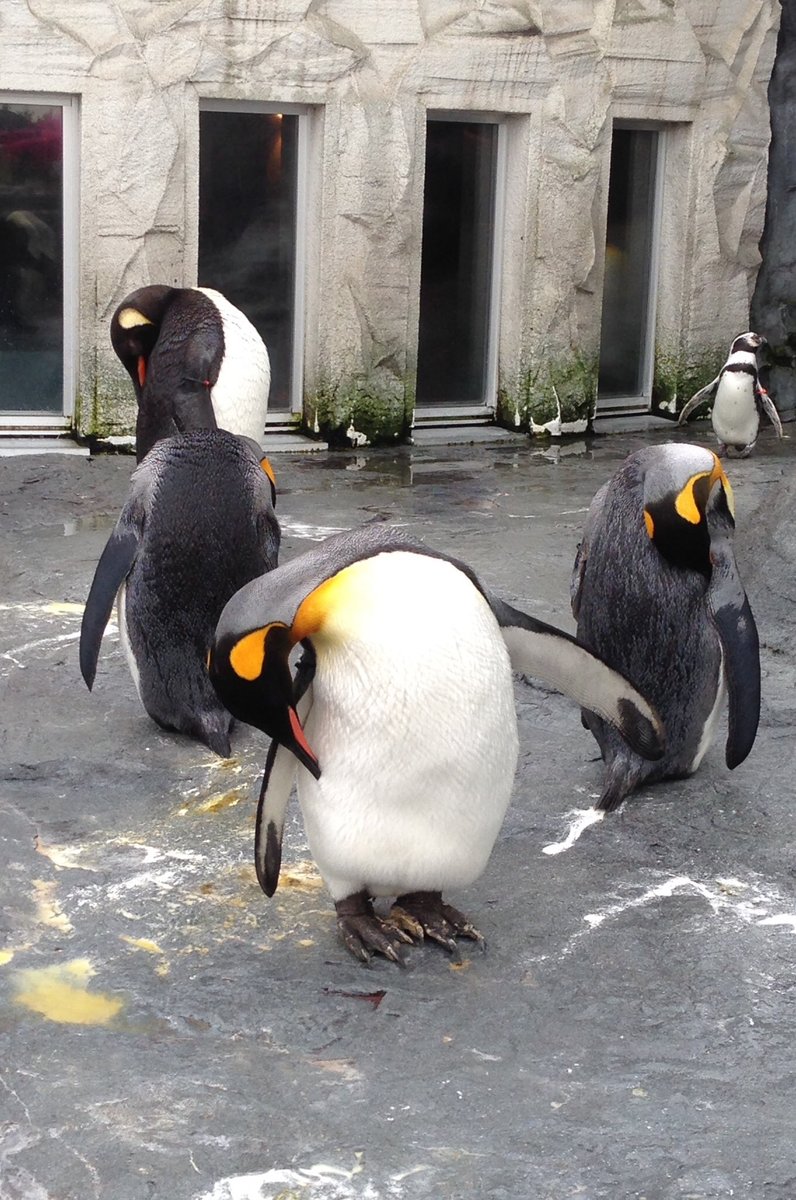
129 318
248 655
315 609
269 470
685 504
650 524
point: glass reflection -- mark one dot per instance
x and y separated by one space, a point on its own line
31 258
456 265
247 226
626 291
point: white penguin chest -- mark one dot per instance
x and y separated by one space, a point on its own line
414 726
240 394
735 416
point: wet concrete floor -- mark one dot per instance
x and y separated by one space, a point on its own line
168 1033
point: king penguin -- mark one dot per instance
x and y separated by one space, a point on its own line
401 723
196 362
740 397
656 593
198 524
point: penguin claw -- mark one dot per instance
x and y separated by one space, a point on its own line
364 933
439 921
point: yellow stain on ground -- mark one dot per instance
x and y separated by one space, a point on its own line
5 957
63 608
463 965
215 803
300 877
59 993
61 856
142 944
305 942
48 910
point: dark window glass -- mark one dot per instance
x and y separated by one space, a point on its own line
628 253
31 258
456 265
247 226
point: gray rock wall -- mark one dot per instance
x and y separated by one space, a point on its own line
367 70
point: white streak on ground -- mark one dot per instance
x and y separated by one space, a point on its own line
782 919
582 818
320 1182
722 901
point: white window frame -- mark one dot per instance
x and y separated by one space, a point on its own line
26 419
642 403
488 406
303 113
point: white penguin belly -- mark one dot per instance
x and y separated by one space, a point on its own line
711 724
414 726
735 417
124 637
240 394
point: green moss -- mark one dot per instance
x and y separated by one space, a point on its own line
678 376
565 388
359 412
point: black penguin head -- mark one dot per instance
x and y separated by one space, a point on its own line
748 343
135 327
683 486
251 674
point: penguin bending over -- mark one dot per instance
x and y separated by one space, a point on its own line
196 362
198 524
740 398
402 721
656 593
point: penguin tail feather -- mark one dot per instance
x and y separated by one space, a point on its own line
621 777
215 735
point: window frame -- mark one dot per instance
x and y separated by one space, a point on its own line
488 406
303 112
33 420
640 403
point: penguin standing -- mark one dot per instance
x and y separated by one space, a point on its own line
196 362
740 397
198 524
656 593
402 721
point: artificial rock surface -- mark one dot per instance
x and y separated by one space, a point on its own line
557 73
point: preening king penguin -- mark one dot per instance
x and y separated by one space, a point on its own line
740 397
657 594
401 722
196 362
198 524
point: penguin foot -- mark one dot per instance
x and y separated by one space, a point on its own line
364 933
437 920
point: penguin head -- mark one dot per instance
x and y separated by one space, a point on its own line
135 327
251 674
684 486
748 343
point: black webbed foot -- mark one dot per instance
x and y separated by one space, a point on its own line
438 921
364 933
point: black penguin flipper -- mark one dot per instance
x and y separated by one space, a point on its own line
112 569
698 398
731 614
767 405
560 661
278 776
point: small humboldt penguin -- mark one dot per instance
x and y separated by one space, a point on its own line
196 362
401 724
656 593
740 397
198 524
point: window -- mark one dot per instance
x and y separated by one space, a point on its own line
628 317
38 257
249 183
457 355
